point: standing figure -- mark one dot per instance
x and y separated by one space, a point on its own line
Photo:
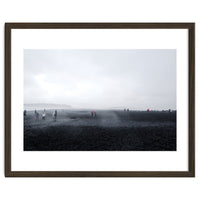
43 115
95 114
36 116
92 114
55 115
24 113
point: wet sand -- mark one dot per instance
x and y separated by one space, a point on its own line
76 130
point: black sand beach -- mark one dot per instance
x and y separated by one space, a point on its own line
76 130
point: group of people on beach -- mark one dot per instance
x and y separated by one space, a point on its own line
43 115
93 114
54 114
37 115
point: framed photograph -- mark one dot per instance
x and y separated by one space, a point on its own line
99 99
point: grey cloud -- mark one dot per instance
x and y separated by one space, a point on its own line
101 78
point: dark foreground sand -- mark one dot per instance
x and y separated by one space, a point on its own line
109 131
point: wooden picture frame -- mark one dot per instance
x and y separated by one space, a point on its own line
191 99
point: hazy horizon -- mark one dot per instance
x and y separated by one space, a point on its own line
101 79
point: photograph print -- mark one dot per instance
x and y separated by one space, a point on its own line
100 100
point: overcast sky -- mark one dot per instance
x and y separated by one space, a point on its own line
134 79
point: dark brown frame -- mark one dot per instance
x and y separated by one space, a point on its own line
191 53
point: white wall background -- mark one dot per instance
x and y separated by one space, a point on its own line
99 11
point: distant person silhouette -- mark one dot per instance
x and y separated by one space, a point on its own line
36 116
25 113
55 115
95 113
43 115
